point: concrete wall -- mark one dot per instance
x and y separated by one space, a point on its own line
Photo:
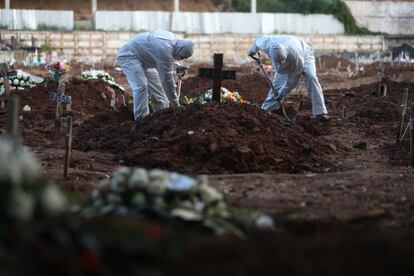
218 22
392 17
92 47
33 19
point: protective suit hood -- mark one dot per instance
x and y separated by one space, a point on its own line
184 48
279 53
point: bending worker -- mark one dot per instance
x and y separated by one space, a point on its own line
148 62
291 57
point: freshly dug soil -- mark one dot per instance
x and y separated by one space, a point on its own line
252 87
213 138
87 100
368 107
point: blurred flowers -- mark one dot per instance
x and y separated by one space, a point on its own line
21 81
58 69
101 75
226 97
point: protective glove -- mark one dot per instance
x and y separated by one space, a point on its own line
253 50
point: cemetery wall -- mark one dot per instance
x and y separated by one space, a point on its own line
391 17
93 47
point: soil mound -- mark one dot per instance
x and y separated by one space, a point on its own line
252 86
87 100
368 107
212 138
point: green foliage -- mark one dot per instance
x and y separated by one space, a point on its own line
47 48
45 27
337 8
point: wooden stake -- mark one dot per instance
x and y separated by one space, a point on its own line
58 113
113 101
412 135
382 90
68 105
13 120
403 109
3 73
123 100
68 146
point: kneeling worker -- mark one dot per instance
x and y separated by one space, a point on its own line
291 57
148 62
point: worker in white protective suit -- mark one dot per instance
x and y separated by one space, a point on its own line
148 62
291 57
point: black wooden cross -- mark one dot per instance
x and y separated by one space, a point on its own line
217 74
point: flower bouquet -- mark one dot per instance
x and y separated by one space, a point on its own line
58 69
101 75
21 81
226 97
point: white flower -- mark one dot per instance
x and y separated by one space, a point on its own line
186 214
17 166
264 222
177 182
209 194
16 82
53 201
22 205
26 108
138 178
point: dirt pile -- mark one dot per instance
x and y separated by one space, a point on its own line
87 100
366 107
213 138
253 86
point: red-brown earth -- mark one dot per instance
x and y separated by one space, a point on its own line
363 188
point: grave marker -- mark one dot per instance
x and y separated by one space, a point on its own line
13 121
218 75
58 113
113 101
403 108
68 146
382 90
4 73
412 135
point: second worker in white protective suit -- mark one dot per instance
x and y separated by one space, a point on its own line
148 62
291 57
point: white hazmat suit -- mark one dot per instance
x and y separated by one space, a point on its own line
291 57
148 62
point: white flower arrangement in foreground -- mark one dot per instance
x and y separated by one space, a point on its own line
101 75
170 195
24 192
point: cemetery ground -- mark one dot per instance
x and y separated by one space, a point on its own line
343 191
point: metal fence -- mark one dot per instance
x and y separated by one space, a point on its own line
215 23
36 19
